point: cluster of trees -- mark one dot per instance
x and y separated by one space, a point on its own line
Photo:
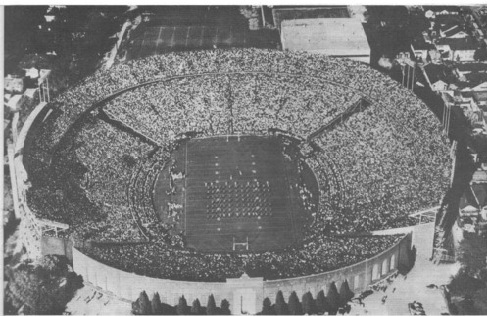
72 45
144 306
41 288
332 303
472 254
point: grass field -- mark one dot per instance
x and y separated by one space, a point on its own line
257 193
180 28
162 39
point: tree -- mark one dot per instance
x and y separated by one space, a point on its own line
280 307
44 287
309 306
333 299
225 307
267 307
211 306
322 305
156 304
472 254
142 306
294 305
196 307
182 307
345 293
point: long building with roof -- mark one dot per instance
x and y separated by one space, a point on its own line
338 37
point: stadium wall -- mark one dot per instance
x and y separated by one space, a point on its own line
30 233
31 227
245 291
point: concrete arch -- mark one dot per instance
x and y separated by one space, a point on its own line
392 262
385 267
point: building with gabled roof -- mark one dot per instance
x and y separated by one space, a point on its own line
420 46
339 37
453 31
458 49
438 76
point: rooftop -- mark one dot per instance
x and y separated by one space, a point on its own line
436 72
471 67
460 44
476 193
440 9
480 15
420 43
282 13
475 79
478 96
333 36
450 30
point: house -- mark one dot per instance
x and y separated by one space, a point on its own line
452 31
476 81
480 177
441 10
457 49
480 97
480 15
472 207
282 13
438 76
462 69
339 37
13 84
421 45
463 101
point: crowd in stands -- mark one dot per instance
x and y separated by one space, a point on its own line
385 171
374 169
159 260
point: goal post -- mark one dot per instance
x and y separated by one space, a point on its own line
237 245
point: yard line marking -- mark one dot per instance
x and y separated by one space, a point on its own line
202 35
158 39
172 36
142 45
216 36
187 37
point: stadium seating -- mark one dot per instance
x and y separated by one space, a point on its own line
374 168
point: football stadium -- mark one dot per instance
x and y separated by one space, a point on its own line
205 165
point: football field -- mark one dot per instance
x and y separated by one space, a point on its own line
238 189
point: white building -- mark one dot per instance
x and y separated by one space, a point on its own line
339 37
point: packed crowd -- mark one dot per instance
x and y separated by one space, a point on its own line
375 168
387 168
227 103
159 260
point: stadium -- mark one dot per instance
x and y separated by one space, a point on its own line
205 165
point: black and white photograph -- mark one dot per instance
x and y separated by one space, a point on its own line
244 159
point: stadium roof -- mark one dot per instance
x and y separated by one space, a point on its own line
343 37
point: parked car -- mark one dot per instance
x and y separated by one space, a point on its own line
416 308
